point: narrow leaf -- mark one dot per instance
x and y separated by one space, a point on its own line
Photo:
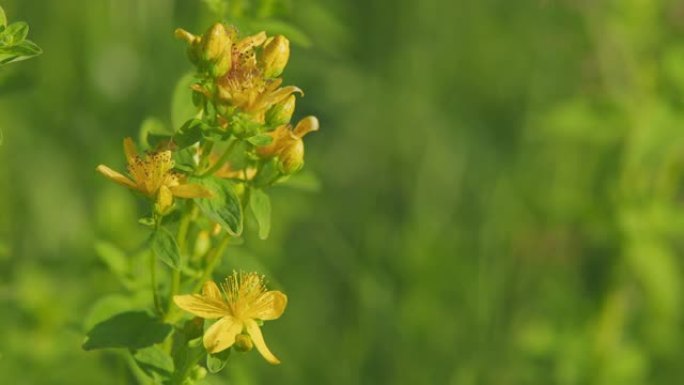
260 203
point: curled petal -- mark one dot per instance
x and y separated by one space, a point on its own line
202 306
190 190
130 150
280 94
268 306
258 339
211 290
221 335
306 125
116 177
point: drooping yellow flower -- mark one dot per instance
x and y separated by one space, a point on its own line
152 174
244 300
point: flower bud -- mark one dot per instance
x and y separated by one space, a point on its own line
214 42
243 343
215 50
306 125
291 158
193 44
282 136
275 55
202 244
281 113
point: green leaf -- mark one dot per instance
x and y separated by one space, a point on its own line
182 107
114 258
3 18
154 361
224 207
216 362
133 330
260 204
22 51
153 132
260 140
164 246
15 33
190 133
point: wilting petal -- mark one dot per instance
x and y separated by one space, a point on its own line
268 306
190 190
258 339
130 150
211 290
116 177
202 306
221 335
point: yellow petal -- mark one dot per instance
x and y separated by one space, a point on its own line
211 290
164 199
190 191
221 335
280 94
258 339
202 306
251 41
130 150
268 306
306 125
116 177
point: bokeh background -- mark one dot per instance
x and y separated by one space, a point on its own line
499 193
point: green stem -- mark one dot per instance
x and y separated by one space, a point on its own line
219 163
212 261
153 279
182 242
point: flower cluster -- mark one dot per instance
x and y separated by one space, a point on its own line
201 182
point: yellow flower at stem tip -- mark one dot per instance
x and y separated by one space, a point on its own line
152 174
241 301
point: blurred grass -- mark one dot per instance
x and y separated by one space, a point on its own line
500 200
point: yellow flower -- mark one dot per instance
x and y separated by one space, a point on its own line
152 174
245 86
287 144
244 300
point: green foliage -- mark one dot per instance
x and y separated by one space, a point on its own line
14 46
164 246
260 204
224 206
132 330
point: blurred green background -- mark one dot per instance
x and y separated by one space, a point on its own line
500 196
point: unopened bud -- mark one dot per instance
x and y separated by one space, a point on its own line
193 44
281 138
291 158
202 244
243 343
213 42
281 113
306 125
275 55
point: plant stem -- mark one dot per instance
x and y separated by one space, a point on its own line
219 163
182 242
153 279
212 261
